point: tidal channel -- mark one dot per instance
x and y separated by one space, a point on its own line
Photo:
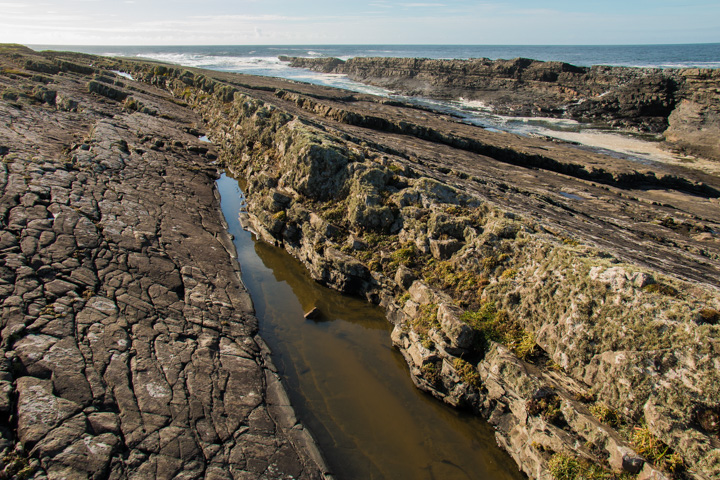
348 385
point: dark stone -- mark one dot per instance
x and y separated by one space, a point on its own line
313 314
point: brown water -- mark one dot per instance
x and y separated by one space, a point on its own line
347 383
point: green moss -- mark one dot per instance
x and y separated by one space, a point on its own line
424 322
405 256
508 274
15 72
605 414
496 326
467 371
548 407
336 212
431 373
570 242
465 286
523 345
379 240
16 466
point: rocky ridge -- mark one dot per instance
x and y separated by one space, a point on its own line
680 104
578 315
129 343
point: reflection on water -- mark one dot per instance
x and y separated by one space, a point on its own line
348 384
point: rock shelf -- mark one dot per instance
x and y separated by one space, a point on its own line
568 297
129 342
682 105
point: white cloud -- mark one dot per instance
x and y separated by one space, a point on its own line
431 21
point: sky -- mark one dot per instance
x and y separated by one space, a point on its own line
318 22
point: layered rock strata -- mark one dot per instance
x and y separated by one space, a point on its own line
681 104
129 343
568 297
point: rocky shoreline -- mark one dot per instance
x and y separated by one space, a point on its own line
680 105
129 342
568 297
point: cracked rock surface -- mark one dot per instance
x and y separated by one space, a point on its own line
129 343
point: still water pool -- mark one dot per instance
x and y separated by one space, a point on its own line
349 386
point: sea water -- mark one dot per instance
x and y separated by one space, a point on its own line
263 60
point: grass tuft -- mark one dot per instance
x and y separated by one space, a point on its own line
656 451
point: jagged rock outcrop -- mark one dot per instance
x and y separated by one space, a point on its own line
562 323
682 104
129 343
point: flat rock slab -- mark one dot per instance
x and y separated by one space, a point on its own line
129 337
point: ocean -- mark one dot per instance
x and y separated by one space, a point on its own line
263 60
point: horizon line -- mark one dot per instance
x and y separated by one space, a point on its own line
367 44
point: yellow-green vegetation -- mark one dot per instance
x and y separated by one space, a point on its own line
584 396
656 451
467 371
404 256
16 466
547 406
424 322
281 215
563 466
662 289
378 240
508 274
464 286
497 326
605 414
570 242
432 374
336 212
709 316
13 71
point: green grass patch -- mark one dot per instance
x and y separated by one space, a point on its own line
404 256
656 451
464 286
563 466
496 326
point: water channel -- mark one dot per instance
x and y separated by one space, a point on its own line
349 386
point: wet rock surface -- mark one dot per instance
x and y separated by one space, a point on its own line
681 104
129 343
